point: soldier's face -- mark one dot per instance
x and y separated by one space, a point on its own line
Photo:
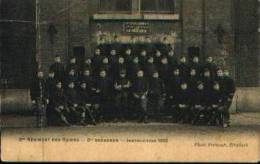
72 72
59 85
71 85
105 60
155 75
200 86
148 40
164 61
40 74
184 86
122 75
57 59
140 74
128 51
183 60
176 72
150 60
207 74
216 87
83 85
113 52
73 60
86 73
97 51
102 74
220 73
171 53
226 73
143 53
193 72
88 61
158 53
136 60
209 59
195 60
51 75
121 60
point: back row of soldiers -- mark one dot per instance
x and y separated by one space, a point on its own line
126 85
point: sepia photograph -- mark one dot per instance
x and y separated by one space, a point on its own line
130 80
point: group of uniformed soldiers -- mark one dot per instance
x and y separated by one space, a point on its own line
122 83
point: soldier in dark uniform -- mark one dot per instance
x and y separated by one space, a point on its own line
207 79
216 101
157 57
183 99
128 56
50 83
211 66
121 87
149 67
134 67
193 79
198 104
164 68
195 64
174 81
61 112
229 91
184 68
156 94
120 65
86 65
106 65
97 62
88 110
39 98
72 65
143 58
173 62
102 96
58 68
140 90
71 77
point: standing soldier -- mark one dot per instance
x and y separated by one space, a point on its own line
106 65
140 91
164 68
229 91
134 68
97 61
143 58
39 98
172 86
207 79
195 64
211 66
72 65
102 96
120 65
173 62
86 65
61 113
149 67
157 57
156 94
183 99
58 68
193 79
71 77
128 57
121 87
184 68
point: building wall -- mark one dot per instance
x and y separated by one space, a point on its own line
208 24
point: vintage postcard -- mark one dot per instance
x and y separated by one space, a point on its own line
130 80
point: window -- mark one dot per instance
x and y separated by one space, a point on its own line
146 6
157 6
115 5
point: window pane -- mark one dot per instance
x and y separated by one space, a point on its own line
115 5
157 5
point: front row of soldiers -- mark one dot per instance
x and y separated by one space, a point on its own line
91 95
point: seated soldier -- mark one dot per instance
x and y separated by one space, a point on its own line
60 113
77 114
121 87
156 94
183 100
216 108
174 81
229 91
86 104
40 98
198 104
102 94
140 90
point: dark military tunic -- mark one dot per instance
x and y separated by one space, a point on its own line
59 70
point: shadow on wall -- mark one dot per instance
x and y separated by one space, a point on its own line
246 99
